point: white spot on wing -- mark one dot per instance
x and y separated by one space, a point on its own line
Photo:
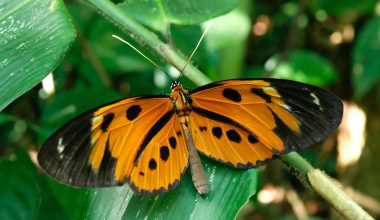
97 120
285 106
60 148
316 100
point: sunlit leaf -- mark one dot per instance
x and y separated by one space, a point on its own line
34 35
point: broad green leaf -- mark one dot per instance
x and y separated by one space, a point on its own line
366 58
34 35
158 14
19 193
49 207
304 66
230 189
70 199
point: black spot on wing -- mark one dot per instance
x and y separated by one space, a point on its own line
252 139
217 132
164 153
232 95
107 121
172 142
233 136
202 128
142 173
179 134
261 93
133 112
152 164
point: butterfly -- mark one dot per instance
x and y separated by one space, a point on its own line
150 141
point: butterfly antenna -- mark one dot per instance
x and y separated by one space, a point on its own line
134 48
195 49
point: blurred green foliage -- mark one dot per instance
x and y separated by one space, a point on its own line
334 44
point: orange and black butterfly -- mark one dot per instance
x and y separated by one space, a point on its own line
149 141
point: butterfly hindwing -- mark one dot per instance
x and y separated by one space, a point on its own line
276 115
227 143
109 145
163 161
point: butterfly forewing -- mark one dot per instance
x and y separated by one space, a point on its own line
280 115
114 144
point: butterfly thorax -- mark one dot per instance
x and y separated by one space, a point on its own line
181 100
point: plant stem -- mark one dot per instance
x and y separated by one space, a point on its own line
326 187
321 183
148 38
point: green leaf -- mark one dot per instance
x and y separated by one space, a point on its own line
304 66
70 199
113 54
19 193
341 8
230 189
65 106
49 206
228 45
34 35
158 14
366 58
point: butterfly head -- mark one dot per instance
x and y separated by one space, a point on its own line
176 85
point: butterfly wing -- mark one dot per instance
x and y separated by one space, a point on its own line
245 123
135 140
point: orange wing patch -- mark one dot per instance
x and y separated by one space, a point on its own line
227 143
163 162
282 116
